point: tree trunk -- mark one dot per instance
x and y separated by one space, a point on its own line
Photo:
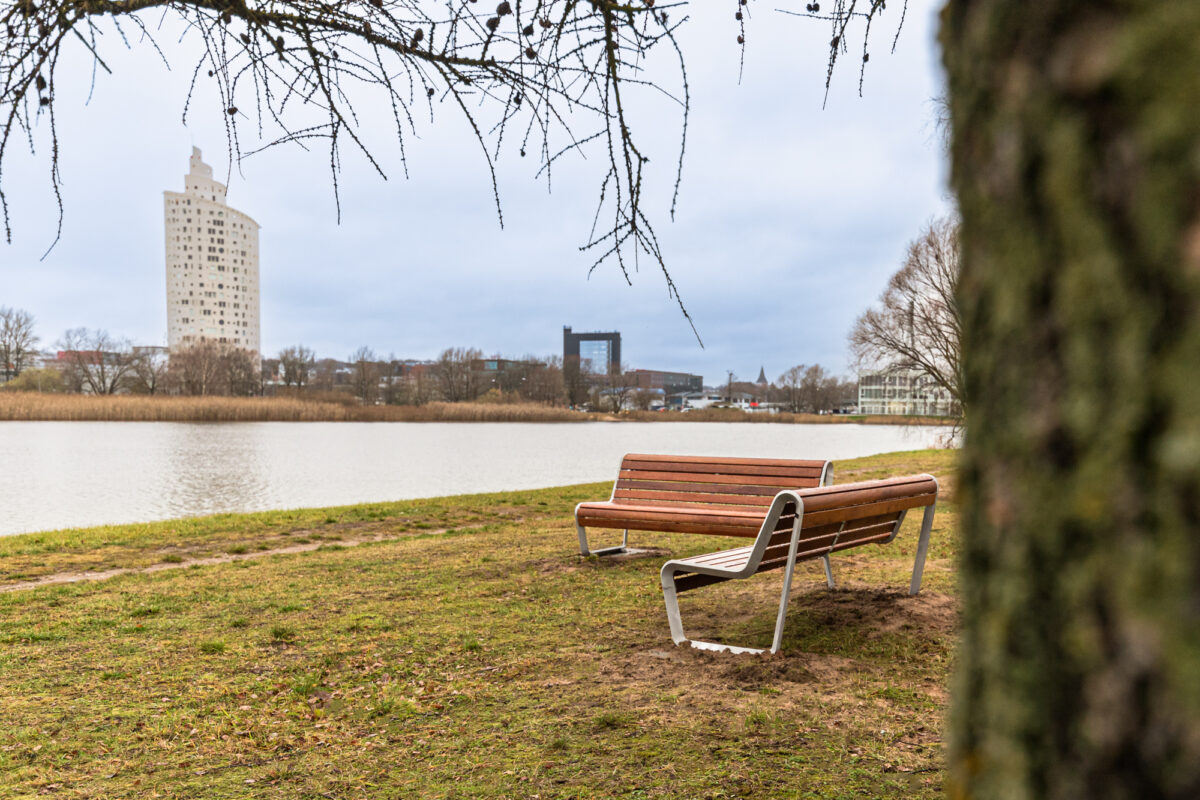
1076 161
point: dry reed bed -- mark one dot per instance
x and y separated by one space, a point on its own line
32 406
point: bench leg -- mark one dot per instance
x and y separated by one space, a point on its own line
604 551
786 594
922 550
828 572
672 600
673 619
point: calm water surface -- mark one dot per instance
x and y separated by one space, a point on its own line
73 474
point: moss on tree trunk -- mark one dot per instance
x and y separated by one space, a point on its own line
1076 160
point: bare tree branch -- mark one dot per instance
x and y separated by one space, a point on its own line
917 325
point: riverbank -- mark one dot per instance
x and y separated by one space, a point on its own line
461 648
35 407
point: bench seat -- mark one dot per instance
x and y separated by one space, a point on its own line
716 496
807 524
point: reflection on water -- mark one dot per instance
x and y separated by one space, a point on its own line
207 479
72 474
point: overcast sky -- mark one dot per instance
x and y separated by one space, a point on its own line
790 221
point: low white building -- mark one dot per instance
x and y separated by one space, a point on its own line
902 392
717 397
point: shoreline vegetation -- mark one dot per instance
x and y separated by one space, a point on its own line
36 407
460 647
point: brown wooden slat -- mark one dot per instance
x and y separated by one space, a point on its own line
672 527
765 462
678 506
869 509
736 480
694 580
752 515
673 498
781 542
703 488
685 468
808 533
857 494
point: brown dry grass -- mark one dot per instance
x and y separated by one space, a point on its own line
31 406
335 407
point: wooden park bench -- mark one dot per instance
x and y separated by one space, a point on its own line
806 524
695 494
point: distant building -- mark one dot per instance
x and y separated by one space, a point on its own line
212 265
601 349
746 401
668 382
902 392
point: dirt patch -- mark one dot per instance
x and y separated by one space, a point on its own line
877 612
870 614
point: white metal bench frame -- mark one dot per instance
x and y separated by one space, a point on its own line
750 568
826 480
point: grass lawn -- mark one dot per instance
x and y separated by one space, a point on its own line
462 648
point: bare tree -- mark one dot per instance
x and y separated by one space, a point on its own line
615 389
643 399
240 372
917 325
789 384
545 384
365 377
457 377
817 390
96 362
148 371
197 370
391 378
17 341
296 363
325 374
577 381
419 384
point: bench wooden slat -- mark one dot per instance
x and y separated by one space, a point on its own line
742 532
699 488
859 493
639 496
810 472
810 531
810 546
766 462
873 509
694 580
698 513
735 480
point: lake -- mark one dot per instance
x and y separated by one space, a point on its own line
75 474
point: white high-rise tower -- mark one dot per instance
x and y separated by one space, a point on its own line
212 265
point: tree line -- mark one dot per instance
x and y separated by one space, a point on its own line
92 361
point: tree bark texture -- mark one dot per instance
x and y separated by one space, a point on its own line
1076 162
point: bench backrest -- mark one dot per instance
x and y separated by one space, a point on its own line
840 517
835 518
692 480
